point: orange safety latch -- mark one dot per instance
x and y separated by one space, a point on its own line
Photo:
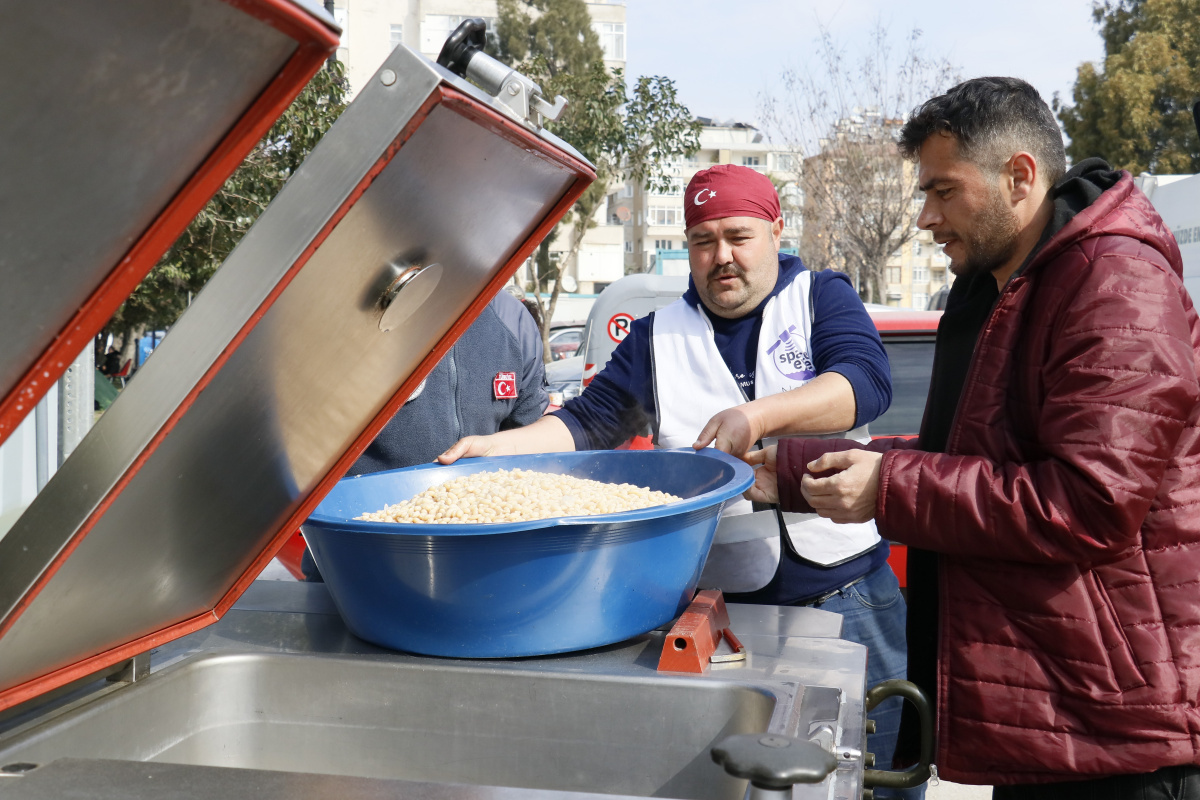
693 639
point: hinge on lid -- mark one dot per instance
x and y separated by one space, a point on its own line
463 55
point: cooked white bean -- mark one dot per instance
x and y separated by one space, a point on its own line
517 495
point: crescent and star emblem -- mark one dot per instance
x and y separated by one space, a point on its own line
699 194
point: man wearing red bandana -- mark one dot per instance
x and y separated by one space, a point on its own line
758 348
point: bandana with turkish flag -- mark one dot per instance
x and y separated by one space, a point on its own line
728 190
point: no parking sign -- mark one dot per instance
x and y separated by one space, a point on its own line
619 325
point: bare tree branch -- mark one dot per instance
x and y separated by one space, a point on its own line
840 121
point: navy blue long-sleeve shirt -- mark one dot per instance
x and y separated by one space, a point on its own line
619 402
844 340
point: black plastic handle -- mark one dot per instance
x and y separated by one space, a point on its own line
918 773
773 762
461 46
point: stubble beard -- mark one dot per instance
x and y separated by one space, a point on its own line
992 242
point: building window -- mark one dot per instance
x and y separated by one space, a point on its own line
920 301
750 161
628 245
662 244
916 247
397 34
920 274
664 215
784 161
893 275
612 39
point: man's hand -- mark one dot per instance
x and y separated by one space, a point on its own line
732 431
849 495
474 447
766 481
548 435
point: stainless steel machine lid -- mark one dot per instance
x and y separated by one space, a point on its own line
410 214
121 119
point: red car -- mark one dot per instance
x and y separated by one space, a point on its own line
908 338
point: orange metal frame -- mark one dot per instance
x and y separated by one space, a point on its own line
453 100
316 42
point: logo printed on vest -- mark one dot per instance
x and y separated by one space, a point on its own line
789 353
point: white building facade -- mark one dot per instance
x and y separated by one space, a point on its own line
915 273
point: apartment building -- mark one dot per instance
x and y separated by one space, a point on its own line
915 272
653 221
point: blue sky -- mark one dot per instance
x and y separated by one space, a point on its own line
723 54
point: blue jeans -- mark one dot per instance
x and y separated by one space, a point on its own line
873 614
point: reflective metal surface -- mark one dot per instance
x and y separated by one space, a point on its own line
124 780
188 508
119 104
345 716
279 684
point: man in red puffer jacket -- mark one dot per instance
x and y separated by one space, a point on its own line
1053 496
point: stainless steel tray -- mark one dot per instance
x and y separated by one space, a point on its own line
280 685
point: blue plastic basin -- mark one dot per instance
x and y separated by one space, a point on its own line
523 588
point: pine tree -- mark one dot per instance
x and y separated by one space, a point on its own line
1135 111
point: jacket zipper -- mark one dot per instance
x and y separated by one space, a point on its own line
951 446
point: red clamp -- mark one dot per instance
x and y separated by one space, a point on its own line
693 639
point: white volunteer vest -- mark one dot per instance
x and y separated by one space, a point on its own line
692 384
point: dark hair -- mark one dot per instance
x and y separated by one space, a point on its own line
534 308
991 119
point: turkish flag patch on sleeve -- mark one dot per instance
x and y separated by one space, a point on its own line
505 386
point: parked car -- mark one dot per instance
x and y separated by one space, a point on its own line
908 338
564 380
565 340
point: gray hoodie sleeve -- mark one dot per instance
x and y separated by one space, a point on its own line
532 398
